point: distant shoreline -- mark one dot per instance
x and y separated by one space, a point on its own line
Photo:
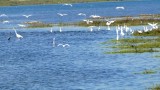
46 2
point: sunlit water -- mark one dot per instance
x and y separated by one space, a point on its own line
32 63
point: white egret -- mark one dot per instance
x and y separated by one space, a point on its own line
154 25
18 35
108 23
6 21
81 14
54 42
67 4
91 28
95 16
62 14
120 7
27 16
60 29
3 15
88 21
64 45
122 33
117 33
51 30
21 25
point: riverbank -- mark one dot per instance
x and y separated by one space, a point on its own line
32 2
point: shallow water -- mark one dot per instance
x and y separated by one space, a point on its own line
32 63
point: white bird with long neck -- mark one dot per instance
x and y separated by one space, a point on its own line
91 28
54 42
117 33
60 29
51 30
122 33
18 35
145 28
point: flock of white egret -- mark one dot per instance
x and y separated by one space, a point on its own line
120 30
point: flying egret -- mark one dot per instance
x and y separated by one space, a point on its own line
120 7
3 15
18 35
62 14
64 45
88 21
27 16
67 4
21 25
95 16
108 23
6 21
154 25
81 14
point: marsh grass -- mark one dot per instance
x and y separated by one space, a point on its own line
38 24
135 45
31 2
149 71
155 87
155 32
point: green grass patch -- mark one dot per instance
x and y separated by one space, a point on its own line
147 72
135 45
155 32
38 24
155 87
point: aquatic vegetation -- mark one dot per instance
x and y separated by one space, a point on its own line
155 87
37 24
155 32
31 2
135 45
149 71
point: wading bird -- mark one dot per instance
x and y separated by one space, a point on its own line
17 35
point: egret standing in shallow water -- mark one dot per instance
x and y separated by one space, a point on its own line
54 42
18 35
